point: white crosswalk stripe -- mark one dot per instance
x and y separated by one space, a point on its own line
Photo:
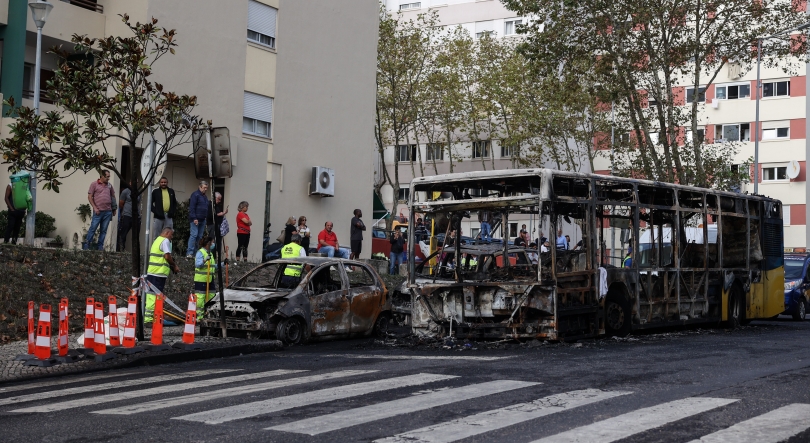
127 395
500 418
227 392
379 411
419 357
254 409
641 420
111 385
772 427
67 380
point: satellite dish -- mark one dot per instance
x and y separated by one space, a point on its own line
793 169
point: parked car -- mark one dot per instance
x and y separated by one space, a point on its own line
796 285
325 302
381 242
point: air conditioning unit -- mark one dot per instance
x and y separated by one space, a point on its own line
323 182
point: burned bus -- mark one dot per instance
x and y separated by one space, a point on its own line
709 257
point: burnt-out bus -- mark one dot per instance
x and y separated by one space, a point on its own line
709 257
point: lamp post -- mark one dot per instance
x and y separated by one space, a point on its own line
39 13
758 92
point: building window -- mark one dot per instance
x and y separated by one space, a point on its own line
435 151
404 194
257 115
732 133
262 24
404 6
654 138
776 89
406 153
480 149
690 94
733 92
774 173
786 215
513 230
484 28
701 134
776 133
507 151
510 26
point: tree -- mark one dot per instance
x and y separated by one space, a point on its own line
643 50
103 94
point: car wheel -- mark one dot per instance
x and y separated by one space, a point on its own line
381 325
736 310
290 331
617 316
801 311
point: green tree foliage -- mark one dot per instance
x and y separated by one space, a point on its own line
631 52
104 99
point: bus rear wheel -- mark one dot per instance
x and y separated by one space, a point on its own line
736 309
617 315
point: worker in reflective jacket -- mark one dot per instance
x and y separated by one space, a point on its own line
292 273
627 262
160 264
204 268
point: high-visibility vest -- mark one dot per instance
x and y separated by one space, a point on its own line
627 258
203 273
158 265
291 250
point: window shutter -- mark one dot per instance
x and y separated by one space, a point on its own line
262 18
258 107
487 26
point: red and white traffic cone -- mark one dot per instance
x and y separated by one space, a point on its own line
43 343
115 339
32 336
188 331
129 328
156 343
100 343
65 354
89 327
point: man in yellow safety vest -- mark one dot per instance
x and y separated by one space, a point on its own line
160 264
204 268
292 273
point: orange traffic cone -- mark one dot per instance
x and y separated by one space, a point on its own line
129 328
89 327
32 335
43 343
65 354
115 339
188 331
100 343
157 326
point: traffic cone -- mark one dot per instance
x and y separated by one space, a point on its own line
100 344
156 343
43 343
115 339
129 328
65 354
188 331
31 336
89 328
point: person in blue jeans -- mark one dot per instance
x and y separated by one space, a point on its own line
397 255
101 196
198 207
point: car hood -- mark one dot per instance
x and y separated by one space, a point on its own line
252 295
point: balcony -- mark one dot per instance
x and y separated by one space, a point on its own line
90 5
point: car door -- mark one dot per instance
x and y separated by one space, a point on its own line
330 309
366 298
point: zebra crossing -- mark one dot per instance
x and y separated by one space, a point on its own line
221 396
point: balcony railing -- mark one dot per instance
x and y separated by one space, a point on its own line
29 94
87 4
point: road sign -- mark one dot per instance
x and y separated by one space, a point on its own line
146 163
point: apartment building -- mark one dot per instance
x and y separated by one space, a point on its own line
257 67
728 114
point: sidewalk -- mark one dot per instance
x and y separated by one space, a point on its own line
212 347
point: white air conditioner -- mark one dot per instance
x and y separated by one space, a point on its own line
323 182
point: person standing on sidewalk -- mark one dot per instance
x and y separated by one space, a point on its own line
164 206
129 219
356 238
15 218
304 233
198 208
215 220
397 256
243 224
102 199
204 268
160 264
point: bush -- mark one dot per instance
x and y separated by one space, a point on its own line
44 224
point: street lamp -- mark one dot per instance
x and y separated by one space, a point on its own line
758 92
39 13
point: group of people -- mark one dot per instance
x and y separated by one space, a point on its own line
298 232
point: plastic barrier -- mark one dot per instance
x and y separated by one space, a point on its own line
31 330
188 330
100 343
129 328
63 327
43 342
115 339
89 325
157 326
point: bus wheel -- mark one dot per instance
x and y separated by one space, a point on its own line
617 316
736 309
801 311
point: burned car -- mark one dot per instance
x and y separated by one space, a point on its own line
307 298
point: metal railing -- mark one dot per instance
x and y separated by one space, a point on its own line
90 5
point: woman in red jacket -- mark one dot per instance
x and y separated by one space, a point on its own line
243 224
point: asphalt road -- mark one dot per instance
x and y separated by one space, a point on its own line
747 385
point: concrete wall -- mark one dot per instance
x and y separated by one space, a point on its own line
324 111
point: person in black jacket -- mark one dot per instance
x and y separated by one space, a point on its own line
164 206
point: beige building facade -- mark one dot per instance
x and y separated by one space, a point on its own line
230 55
